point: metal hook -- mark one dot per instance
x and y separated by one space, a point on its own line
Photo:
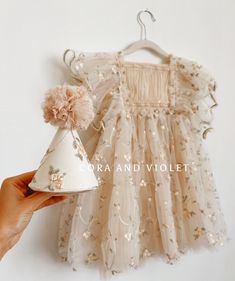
71 59
141 23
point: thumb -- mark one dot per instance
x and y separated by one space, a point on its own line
38 198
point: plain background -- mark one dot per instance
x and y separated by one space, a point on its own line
34 35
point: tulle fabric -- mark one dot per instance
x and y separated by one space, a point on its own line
146 115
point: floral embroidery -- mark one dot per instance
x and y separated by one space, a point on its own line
56 179
80 151
188 214
198 232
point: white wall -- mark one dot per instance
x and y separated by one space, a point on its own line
34 35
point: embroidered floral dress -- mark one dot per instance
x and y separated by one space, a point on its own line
156 193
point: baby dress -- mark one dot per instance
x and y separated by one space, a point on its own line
156 194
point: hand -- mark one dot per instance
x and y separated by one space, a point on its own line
16 208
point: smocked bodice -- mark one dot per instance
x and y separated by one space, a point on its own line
147 84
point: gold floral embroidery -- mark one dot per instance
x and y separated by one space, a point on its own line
188 214
198 232
91 257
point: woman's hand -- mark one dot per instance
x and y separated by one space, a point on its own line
16 208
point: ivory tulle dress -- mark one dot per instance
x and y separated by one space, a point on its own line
156 194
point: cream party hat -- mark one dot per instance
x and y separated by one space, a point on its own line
65 166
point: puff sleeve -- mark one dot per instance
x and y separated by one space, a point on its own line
90 69
98 72
197 94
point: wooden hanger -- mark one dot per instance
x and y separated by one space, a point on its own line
143 43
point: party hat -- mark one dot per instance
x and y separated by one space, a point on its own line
65 167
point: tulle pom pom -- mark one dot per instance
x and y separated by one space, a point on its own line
68 107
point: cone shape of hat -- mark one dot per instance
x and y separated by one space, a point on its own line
65 167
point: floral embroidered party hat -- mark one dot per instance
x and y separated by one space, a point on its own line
65 167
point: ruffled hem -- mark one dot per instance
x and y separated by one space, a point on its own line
93 262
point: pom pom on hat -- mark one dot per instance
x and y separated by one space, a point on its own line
68 107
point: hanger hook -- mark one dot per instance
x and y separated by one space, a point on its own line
141 23
71 59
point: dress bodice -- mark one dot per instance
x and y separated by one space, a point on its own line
147 84
179 86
